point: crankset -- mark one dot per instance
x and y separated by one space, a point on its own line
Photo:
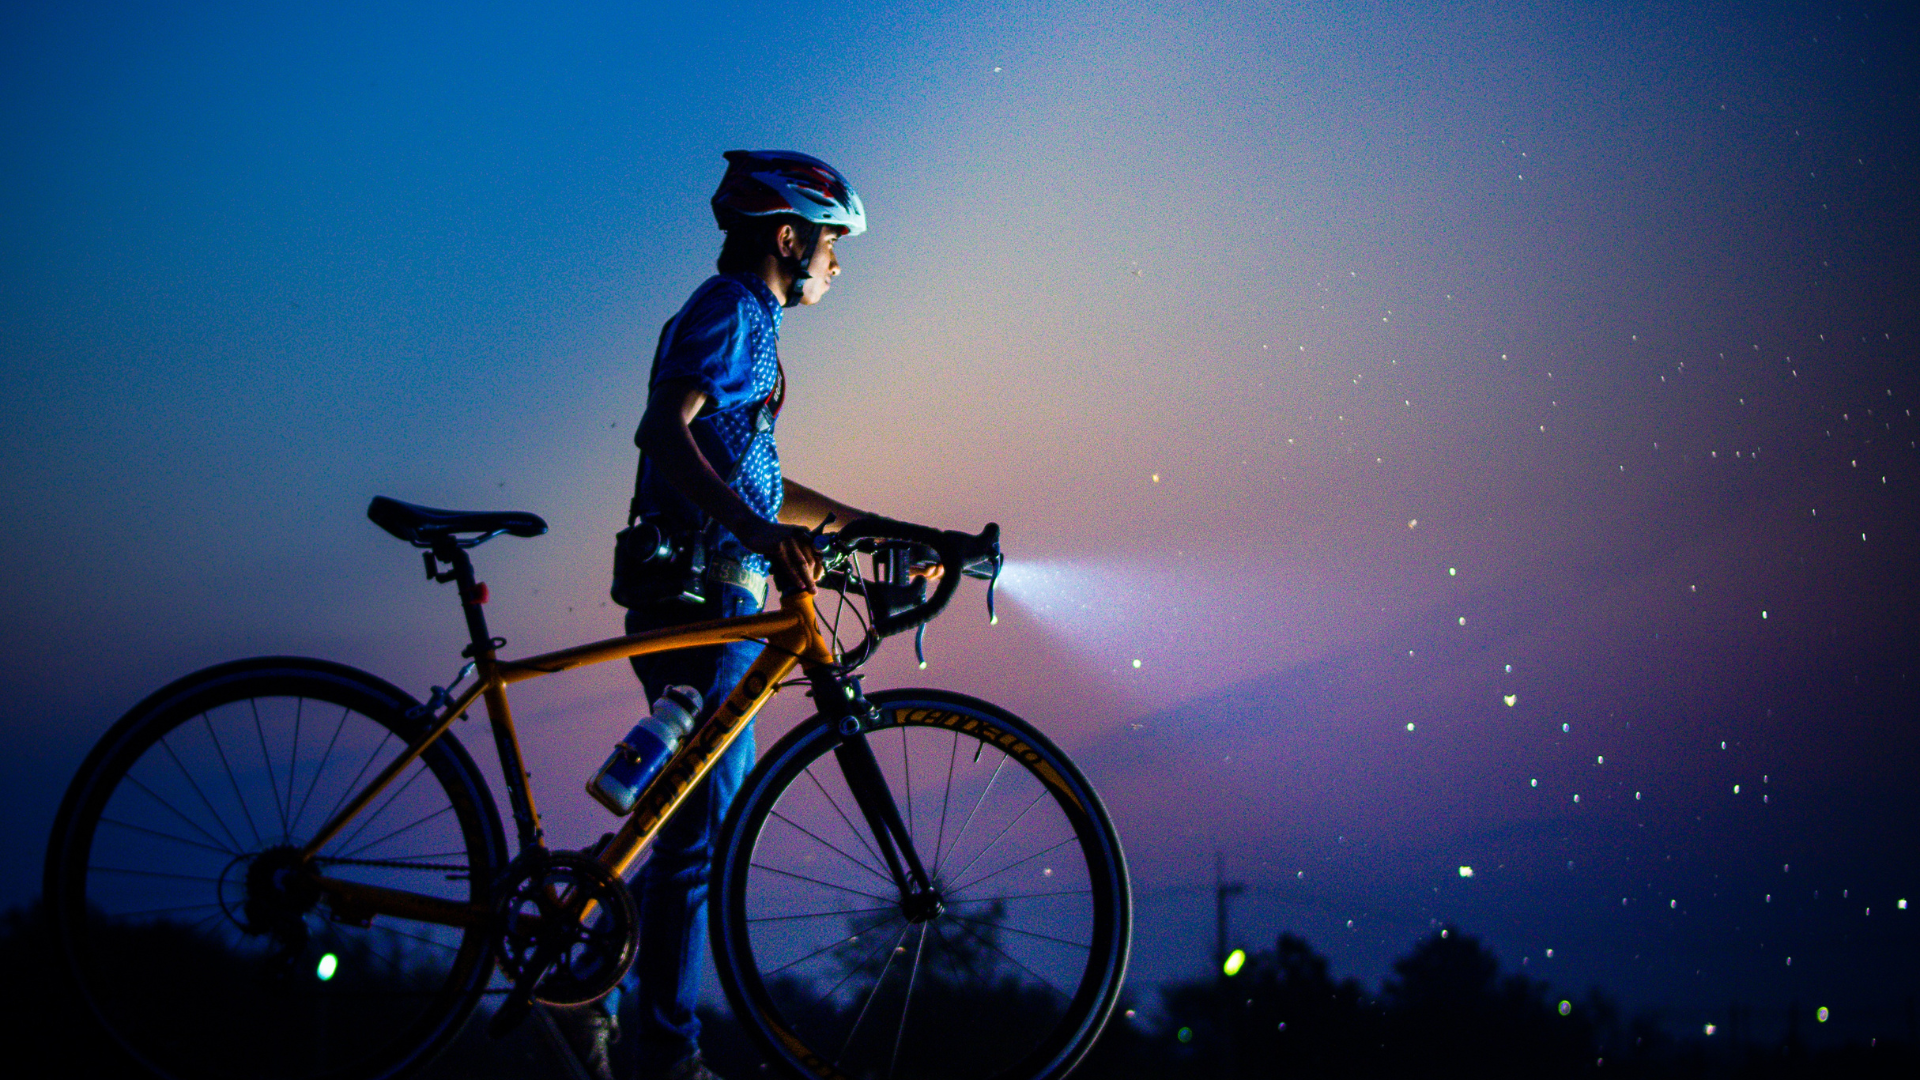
565 926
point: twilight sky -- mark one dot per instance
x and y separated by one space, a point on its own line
1423 439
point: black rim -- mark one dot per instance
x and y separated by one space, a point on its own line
168 888
1024 935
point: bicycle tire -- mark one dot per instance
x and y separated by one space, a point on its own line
1032 943
195 793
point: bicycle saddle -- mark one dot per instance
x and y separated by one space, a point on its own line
421 526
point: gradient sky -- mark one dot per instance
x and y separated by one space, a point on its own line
1453 412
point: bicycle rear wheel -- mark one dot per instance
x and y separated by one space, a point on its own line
160 878
1011 975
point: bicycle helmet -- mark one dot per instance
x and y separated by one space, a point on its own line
762 183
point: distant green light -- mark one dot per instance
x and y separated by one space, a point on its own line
1236 960
328 965
1185 1035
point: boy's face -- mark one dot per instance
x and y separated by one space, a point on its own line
823 268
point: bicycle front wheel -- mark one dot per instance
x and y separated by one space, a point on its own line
166 878
1009 970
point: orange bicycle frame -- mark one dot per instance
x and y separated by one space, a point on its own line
793 638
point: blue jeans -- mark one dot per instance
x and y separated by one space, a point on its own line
671 887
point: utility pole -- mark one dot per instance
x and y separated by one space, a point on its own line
1223 890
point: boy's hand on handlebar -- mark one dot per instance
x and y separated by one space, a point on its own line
924 564
789 548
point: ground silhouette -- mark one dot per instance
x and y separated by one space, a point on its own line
1446 1010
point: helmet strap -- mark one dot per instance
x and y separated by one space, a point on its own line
796 268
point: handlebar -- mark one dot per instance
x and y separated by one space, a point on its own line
896 605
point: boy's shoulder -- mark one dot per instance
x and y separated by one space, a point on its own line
730 304
724 291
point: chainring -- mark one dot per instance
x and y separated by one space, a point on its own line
539 904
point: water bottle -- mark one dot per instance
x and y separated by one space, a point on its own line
636 758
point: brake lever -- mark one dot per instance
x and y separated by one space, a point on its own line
993 583
996 562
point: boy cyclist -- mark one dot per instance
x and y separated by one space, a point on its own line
709 467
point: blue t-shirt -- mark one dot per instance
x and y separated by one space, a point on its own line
725 339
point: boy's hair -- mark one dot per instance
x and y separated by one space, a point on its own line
751 239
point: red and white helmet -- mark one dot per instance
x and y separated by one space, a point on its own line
760 183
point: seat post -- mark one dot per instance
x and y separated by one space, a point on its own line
505 743
470 598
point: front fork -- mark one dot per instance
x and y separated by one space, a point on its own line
840 700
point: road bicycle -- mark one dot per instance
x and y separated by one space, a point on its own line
285 867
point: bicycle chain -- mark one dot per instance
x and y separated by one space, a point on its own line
392 864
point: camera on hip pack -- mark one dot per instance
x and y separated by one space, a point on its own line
655 563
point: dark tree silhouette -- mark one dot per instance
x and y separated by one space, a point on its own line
1281 1015
1452 1014
1446 1011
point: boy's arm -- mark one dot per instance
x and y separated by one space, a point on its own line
666 438
807 508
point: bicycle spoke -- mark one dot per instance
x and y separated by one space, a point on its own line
195 785
906 1000
392 797
949 951
820 914
320 768
266 759
293 762
957 889
1049 982
946 794
396 862
1017 930
1003 832
1022 896
353 787
984 792
231 779
861 1018
151 874
851 971
834 944
810 834
857 834
105 820
189 822
443 811
823 884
